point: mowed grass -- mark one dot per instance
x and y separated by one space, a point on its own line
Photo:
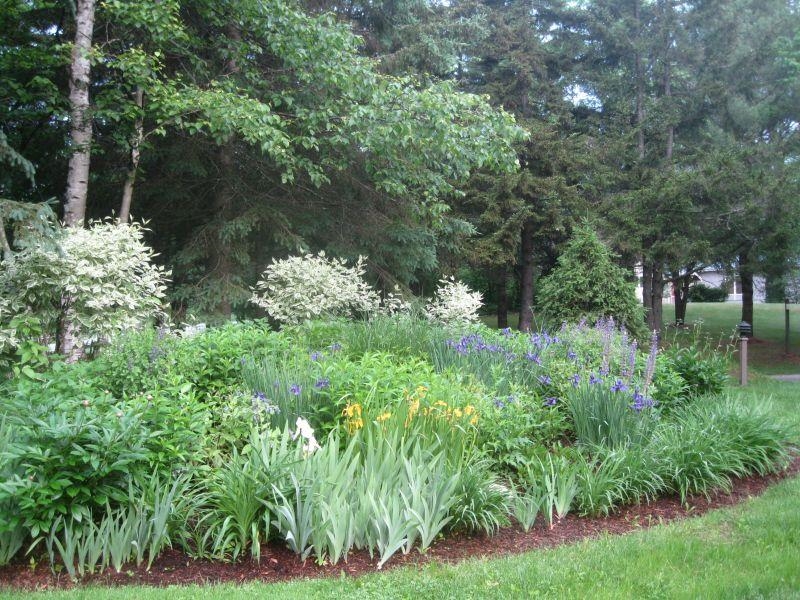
751 550
717 322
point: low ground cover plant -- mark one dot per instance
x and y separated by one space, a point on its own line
329 437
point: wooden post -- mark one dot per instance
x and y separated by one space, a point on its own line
743 360
786 336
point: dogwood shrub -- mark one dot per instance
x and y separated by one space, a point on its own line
313 286
106 272
453 302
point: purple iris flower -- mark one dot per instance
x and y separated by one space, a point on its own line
323 383
619 386
576 379
545 379
551 401
571 355
534 358
315 356
295 389
594 379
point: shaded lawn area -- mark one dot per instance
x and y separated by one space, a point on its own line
749 550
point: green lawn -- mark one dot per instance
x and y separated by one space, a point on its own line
748 551
718 321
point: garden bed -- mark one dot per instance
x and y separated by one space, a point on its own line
343 447
278 563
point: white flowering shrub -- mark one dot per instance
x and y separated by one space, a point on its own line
454 302
314 286
106 271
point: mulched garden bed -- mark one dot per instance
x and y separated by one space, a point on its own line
279 564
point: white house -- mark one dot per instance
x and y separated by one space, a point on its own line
716 278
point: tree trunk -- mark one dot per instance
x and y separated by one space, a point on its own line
670 143
80 120
681 294
526 278
637 54
68 342
68 338
652 295
220 255
746 276
647 286
4 245
133 166
222 263
502 296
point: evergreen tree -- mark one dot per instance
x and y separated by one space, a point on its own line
587 284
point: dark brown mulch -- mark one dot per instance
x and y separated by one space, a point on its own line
279 564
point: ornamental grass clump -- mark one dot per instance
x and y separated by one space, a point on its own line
610 415
701 447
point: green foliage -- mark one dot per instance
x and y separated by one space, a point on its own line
610 478
587 284
669 389
209 363
704 372
481 499
513 428
608 416
234 512
703 446
69 456
408 453
135 533
704 293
